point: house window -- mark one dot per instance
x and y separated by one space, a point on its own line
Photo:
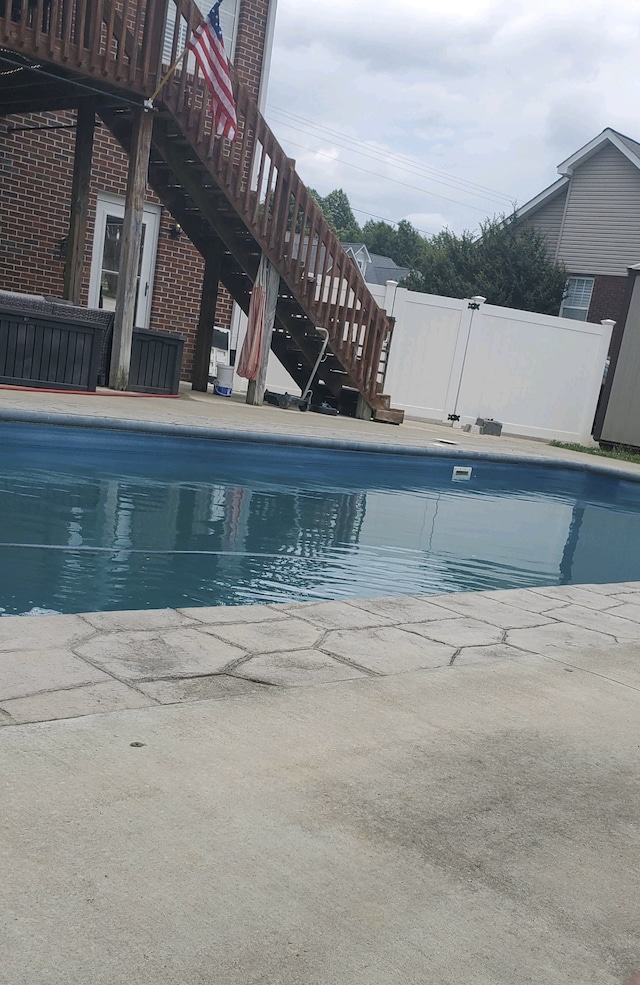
228 22
577 298
229 12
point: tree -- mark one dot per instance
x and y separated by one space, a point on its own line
508 263
405 245
337 210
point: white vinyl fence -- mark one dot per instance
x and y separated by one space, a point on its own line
539 375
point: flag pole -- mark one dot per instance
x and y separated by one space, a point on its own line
165 78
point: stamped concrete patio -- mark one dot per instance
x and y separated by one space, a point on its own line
68 666
371 792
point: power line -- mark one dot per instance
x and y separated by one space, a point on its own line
376 174
416 170
378 153
392 222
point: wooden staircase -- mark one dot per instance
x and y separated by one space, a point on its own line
242 199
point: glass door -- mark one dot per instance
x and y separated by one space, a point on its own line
107 246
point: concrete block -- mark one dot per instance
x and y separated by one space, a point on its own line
489 426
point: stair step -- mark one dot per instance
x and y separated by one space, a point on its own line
388 416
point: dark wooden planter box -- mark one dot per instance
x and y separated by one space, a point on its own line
46 349
45 342
156 359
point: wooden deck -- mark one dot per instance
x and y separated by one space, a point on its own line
237 200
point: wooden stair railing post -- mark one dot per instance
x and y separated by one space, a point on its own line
206 320
85 127
130 250
152 42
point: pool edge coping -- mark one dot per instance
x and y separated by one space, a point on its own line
304 440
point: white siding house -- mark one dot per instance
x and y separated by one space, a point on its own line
591 218
600 231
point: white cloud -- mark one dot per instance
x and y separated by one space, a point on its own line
489 93
428 222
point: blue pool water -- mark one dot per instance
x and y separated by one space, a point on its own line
94 519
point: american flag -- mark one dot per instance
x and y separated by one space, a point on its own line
208 47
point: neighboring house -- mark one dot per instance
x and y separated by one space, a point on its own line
591 218
36 168
374 268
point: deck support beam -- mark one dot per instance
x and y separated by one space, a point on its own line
363 409
74 262
206 320
130 249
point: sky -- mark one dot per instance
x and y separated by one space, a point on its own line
445 113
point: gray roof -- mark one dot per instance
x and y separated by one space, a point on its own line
633 145
376 269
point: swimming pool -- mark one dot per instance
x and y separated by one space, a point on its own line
97 519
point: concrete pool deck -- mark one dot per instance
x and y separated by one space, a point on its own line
199 410
370 792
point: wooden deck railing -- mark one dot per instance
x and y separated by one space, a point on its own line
121 42
87 36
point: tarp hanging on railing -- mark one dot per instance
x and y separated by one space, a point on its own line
252 353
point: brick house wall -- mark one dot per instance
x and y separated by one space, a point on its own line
36 170
249 53
608 298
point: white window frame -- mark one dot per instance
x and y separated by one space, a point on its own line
108 204
228 23
577 299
